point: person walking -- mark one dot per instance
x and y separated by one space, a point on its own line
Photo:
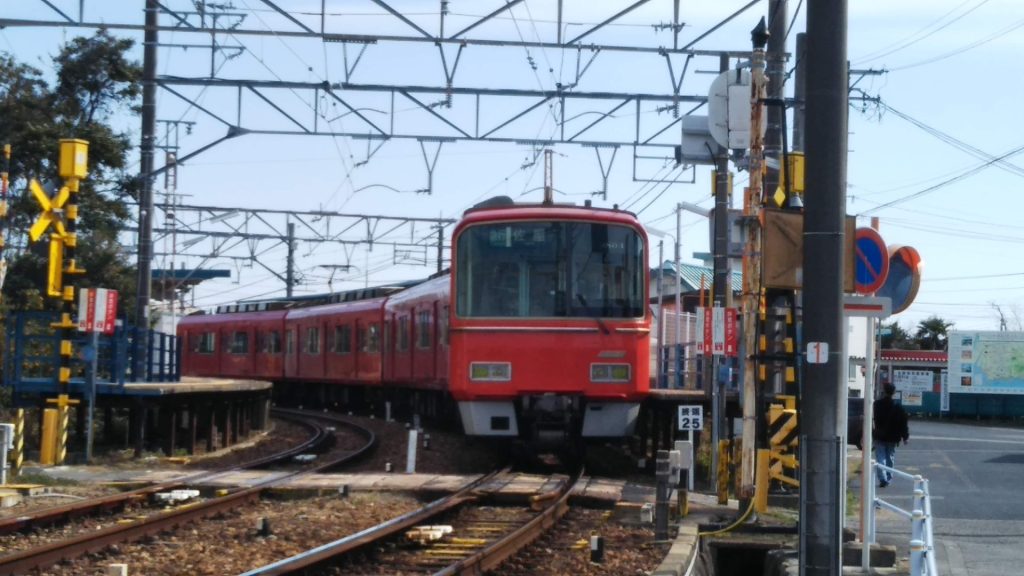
890 428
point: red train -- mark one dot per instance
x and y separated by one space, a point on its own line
541 330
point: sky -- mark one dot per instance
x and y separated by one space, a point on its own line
936 161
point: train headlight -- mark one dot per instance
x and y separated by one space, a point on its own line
610 373
490 371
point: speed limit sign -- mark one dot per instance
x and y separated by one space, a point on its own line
691 417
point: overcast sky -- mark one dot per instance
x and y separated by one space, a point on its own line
923 162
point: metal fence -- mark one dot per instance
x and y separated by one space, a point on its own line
31 351
922 542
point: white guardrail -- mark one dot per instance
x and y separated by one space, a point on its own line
922 543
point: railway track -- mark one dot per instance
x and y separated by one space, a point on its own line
105 504
49 554
479 539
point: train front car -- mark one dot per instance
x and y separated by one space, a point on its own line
550 338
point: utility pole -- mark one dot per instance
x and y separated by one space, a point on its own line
825 210
440 246
800 92
289 278
777 21
721 287
145 241
752 261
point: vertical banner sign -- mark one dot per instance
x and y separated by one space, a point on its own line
701 340
730 332
97 310
110 313
718 330
944 396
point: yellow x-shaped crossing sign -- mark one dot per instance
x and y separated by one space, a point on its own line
53 211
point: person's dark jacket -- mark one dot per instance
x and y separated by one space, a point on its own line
890 421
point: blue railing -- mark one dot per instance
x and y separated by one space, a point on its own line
32 351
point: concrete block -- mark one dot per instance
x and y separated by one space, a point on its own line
9 498
881 556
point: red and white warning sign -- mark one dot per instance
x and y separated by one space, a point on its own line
716 331
97 310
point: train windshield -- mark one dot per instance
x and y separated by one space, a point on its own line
550 269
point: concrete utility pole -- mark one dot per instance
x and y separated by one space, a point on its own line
825 209
289 276
721 287
778 11
145 257
752 261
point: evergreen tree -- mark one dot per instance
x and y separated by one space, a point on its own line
94 81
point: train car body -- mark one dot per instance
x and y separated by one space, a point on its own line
335 343
416 322
540 331
551 329
238 345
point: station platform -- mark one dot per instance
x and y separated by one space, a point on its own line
186 385
196 385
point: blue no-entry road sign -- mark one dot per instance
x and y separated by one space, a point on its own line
872 258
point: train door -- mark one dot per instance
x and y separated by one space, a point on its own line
441 350
291 363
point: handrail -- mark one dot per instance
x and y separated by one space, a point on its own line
922 541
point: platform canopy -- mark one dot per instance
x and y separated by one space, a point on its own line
166 283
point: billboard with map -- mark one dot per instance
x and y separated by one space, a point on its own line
986 362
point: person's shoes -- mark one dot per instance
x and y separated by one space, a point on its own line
883 484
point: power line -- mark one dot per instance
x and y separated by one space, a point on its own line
920 34
963 49
966 174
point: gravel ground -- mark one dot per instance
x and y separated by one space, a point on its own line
565 549
229 544
59 495
448 453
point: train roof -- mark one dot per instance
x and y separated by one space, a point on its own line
503 208
309 300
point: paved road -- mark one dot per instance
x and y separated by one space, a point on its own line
976 478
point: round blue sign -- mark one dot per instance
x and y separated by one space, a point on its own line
872 261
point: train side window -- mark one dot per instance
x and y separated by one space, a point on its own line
423 329
442 329
342 339
290 341
372 341
208 343
312 340
403 333
239 343
270 342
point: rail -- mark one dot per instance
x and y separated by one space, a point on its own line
922 542
49 554
314 557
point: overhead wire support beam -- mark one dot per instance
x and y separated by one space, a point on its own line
504 8
288 16
476 132
374 38
622 13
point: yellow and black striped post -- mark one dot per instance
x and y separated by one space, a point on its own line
17 454
723 471
62 212
783 430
